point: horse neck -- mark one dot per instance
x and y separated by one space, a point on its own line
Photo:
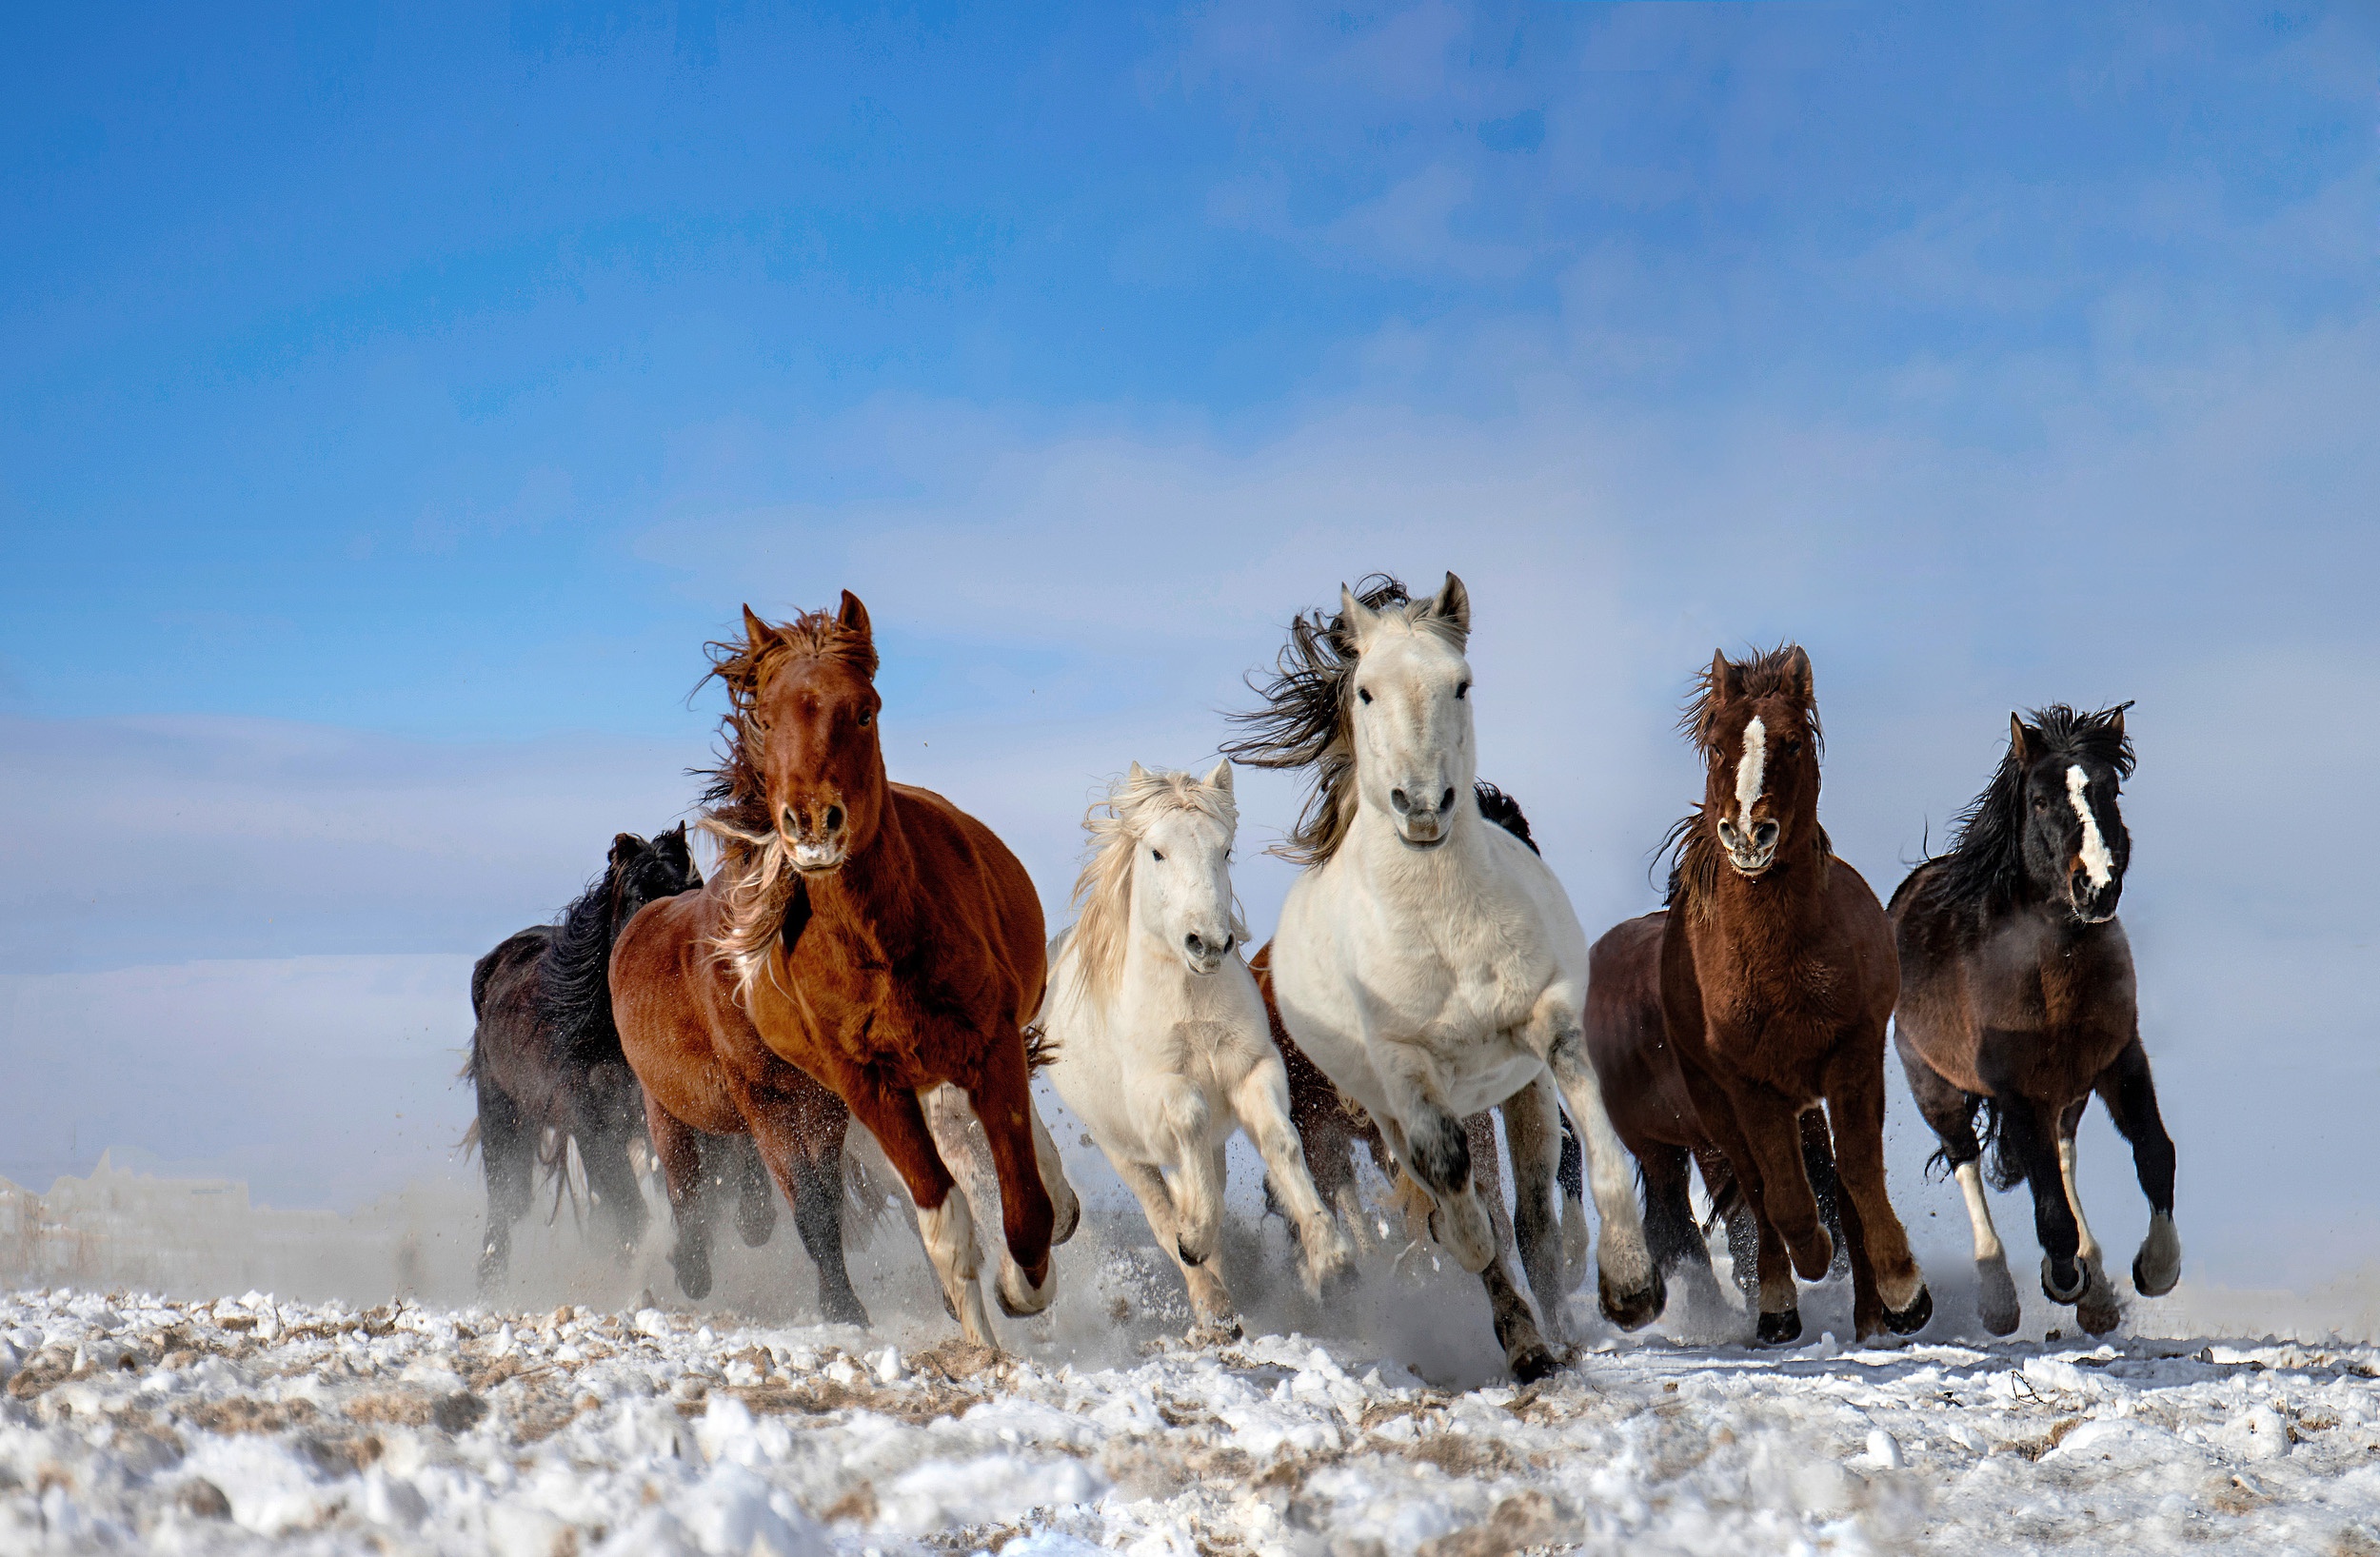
877 892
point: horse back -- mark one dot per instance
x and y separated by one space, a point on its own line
510 1045
1643 1088
668 999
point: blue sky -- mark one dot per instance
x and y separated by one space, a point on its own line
391 404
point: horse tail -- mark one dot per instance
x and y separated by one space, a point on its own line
1504 812
1727 1198
2001 1169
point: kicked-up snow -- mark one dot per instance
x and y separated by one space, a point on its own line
134 1423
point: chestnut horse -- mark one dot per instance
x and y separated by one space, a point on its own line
1656 1118
545 1063
1778 980
2017 1002
884 941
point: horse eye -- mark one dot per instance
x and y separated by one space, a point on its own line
868 716
1361 695
1157 854
1461 688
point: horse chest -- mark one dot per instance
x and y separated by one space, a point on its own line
2051 1020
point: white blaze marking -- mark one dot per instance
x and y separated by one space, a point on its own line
2097 862
1751 772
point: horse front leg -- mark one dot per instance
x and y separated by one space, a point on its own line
679 1148
1436 1151
797 1133
2029 1134
1854 1099
1002 1098
1780 1322
2131 1095
1628 1284
2098 1311
1210 1300
945 1225
1261 1101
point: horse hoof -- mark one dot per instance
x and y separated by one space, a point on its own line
1780 1329
2063 1293
1032 1297
694 1275
1632 1311
1909 1321
1812 1260
1532 1363
2098 1313
2158 1266
845 1309
1995 1300
1066 1229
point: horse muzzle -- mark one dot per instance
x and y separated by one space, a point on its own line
1203 955
2091 905
1750 855
1423 826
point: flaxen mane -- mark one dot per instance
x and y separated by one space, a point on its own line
1983 870
762 890
1306 721
1693 850
1103 895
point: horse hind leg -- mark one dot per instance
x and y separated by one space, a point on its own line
507 1152
1950 1111
679 1150
1532 1125
1818 1162
803 1149
1487 1175
1570 1173
756 1201
1067 1204
613 1183
1525 1351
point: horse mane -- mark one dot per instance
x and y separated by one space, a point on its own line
1306 721
574 982
1102 894
1501 809
1693 849
1983 869
761 890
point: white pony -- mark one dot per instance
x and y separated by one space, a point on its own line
1163 1047
1427 960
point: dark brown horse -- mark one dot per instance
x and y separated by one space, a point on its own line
1778 980
1656 1119
711 1086
546 1064
2017 1003
882 940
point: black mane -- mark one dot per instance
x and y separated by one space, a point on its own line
574 976
1984 867
1304 720
1504 812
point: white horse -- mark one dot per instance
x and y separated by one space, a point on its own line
1163 1047
1427 960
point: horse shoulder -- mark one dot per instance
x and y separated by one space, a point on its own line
974 890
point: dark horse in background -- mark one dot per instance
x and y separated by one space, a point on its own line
2017 1002
1778 980
546 1060
1628 1039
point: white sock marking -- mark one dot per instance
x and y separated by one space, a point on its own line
1750 773
2097 862
1979 1213
2087 1249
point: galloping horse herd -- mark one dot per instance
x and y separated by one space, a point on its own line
866 948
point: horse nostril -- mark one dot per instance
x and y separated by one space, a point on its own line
1396 797
1446 802
1225 949
792 822
834 819
1197 947
1764 835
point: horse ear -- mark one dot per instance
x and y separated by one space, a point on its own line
2116 725
756 632
2016 747
1135 774
1727 682
1798 668
625 846
1220 777
1358 617
852 617
1452 604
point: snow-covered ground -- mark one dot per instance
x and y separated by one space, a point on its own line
132 1422
578 1411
